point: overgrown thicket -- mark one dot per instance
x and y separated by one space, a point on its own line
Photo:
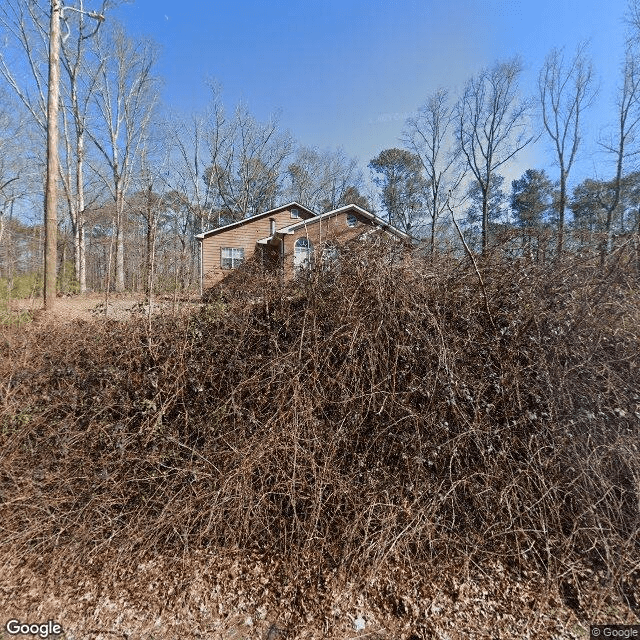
381 411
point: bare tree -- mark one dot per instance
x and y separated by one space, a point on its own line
247 157
628 117
77 94
29 23
491 126
429 135
147 203
18 180
321 180
35 28
188 151
125 100
186 199
51 188
26 23
633 19
12 161
566 89
220 170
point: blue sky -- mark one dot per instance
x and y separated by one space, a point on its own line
347 73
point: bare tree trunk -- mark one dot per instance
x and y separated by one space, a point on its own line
82 246
562 205
51 226
485 219
119 284
81 264
74 65
152 256
151 220
638 243
108 274
74 200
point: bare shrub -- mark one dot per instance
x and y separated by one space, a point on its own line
377 412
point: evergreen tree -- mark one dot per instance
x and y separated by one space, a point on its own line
495 208
402 184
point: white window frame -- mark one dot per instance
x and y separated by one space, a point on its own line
231 257
352 220
295 213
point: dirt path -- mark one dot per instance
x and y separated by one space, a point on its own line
91 307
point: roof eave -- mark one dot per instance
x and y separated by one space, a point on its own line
379 221
297 205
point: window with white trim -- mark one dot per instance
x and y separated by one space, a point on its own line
295 213
352 221
231 257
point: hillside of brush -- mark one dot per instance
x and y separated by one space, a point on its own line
422 416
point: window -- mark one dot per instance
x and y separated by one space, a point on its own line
231 258
352 221
295 213
302 254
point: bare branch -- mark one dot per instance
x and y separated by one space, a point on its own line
566 89
491 126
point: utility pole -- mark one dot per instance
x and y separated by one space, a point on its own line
51 197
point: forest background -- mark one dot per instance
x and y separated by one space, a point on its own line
537 160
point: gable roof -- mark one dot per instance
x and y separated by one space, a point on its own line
353 207
257 216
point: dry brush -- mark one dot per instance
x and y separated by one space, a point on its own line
379 412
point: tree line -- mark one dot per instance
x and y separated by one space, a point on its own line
454 151
138 181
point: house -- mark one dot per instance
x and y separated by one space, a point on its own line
289 237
